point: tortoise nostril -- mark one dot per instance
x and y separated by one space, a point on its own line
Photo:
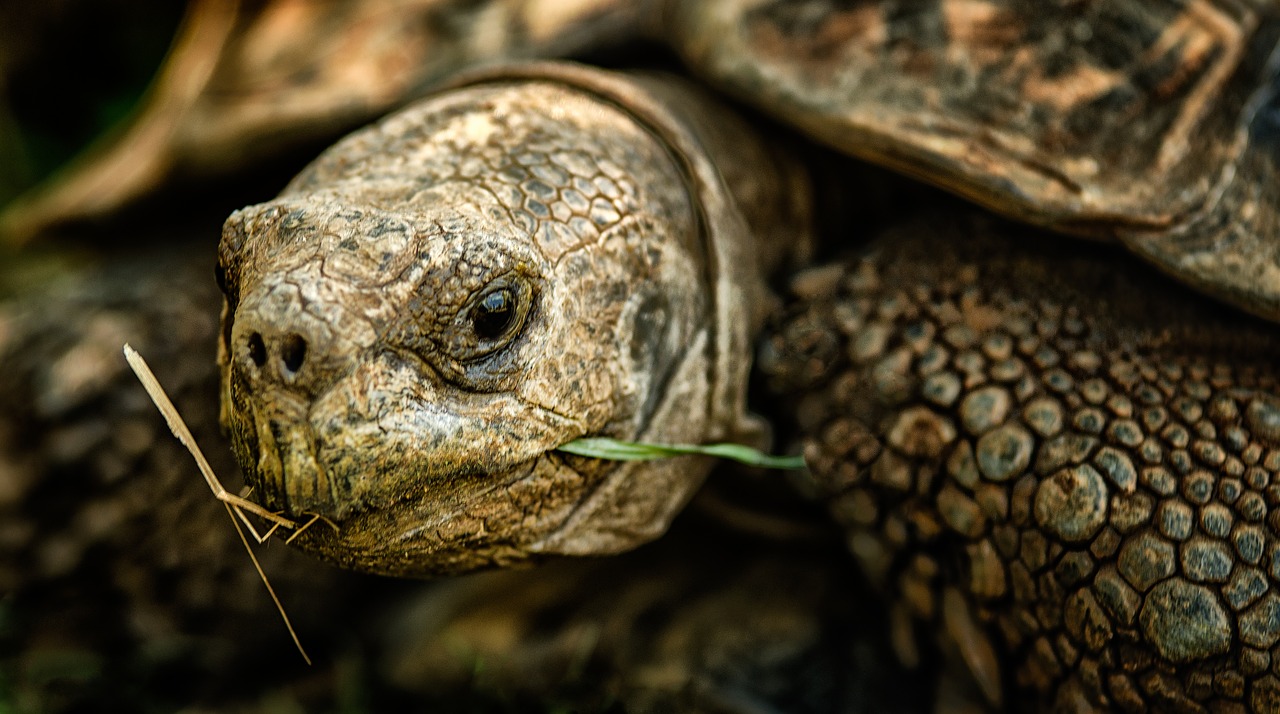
294 352
257 349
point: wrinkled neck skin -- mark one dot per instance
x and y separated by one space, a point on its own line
441 300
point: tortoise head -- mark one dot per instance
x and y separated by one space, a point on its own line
441 300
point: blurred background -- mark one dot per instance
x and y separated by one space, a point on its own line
70 71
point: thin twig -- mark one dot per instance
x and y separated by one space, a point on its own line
180 430
235 505
314 517
254 531
270 532
258 566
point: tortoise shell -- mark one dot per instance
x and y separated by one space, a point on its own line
1154 123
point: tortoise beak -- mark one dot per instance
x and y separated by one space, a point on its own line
283 354
275 443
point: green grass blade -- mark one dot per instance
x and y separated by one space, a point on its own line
604 448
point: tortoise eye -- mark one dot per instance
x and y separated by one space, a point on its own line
494 314
490 320
494 317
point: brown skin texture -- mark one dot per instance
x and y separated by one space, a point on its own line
1052 461
125 587
365 380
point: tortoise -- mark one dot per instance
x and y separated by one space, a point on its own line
1055 461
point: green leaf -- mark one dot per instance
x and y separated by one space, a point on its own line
604 448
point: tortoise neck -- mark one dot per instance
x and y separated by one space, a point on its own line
769 186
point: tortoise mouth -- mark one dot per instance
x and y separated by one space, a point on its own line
290 475
427 537
278 451
337 456
470 518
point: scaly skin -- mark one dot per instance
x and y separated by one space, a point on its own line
1060 463
360 381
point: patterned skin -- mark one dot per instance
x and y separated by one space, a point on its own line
1070 490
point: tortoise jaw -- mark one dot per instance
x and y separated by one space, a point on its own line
433 537
411 507
277 449
289 475
291 467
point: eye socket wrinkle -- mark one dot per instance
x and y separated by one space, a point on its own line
493 320
470 342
